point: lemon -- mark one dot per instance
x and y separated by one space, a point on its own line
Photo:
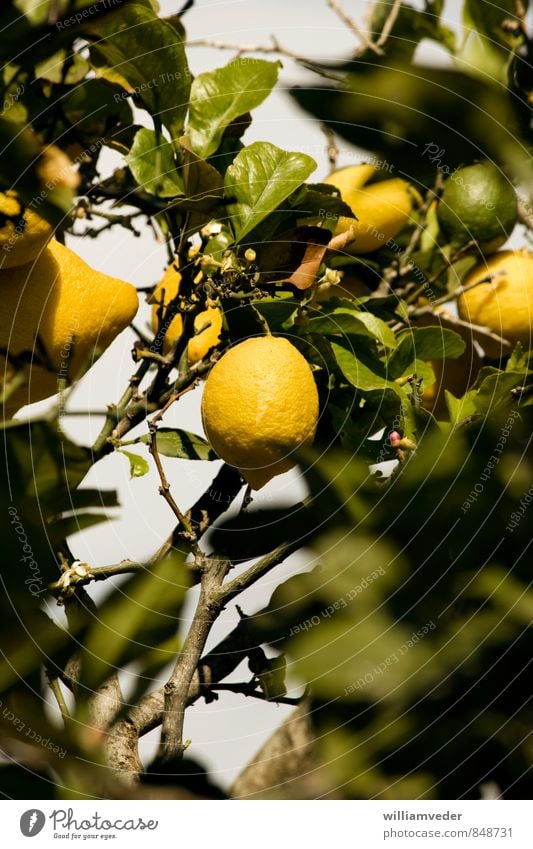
207 324
23 233
478 203
382 209
505 305
348 180
260 403
56 315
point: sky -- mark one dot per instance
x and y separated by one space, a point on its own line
227 733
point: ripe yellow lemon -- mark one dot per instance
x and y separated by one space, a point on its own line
207 324
382 209
505 305
260 403
57 315
23 233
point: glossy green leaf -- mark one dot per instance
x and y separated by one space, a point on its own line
139 47
424 343
219 97
342 320
151 161
260 179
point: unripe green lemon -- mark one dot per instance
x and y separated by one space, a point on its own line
260 404
479 203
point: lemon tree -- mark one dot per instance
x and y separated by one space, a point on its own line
358 328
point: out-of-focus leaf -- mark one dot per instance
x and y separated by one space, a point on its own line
151 161
219 97
412 128
259 180
138 47
410 26
138 615
19 169
180 444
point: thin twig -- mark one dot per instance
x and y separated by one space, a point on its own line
389 23
415 312
164 488
336 7
249 690
55 687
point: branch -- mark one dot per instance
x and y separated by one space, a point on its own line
254 573
247 689
389 23
177 687
285 766
164 489
351 24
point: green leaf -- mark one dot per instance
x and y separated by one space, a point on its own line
405 117
151 161
219 97
180 444
138 465
142 613
424 343
341 320
359 374
145 51
260 179
272 678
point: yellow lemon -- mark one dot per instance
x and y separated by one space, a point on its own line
348 180
504 305
260 404
23 233
382 209
207 324
56 315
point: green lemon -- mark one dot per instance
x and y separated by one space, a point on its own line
478 202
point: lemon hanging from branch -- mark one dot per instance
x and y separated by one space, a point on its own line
260 404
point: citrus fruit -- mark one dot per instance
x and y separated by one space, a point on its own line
382 209
23 233
260 403
207 324
504 305
478 202
57 315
